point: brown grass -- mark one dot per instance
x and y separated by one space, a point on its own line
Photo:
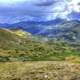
43 70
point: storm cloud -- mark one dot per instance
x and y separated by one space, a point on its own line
41 10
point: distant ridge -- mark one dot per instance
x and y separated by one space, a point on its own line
58 28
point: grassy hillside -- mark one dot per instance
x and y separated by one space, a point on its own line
17 45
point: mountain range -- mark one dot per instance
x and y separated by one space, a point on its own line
58 28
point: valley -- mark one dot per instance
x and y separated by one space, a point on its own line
51 54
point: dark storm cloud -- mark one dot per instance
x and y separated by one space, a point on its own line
46 3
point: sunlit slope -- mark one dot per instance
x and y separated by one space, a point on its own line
9 39
18 45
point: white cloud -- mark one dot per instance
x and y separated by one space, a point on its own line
63 8
74 5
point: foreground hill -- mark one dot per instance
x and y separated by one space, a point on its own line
39 71
18 45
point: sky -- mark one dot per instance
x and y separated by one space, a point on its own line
13 11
